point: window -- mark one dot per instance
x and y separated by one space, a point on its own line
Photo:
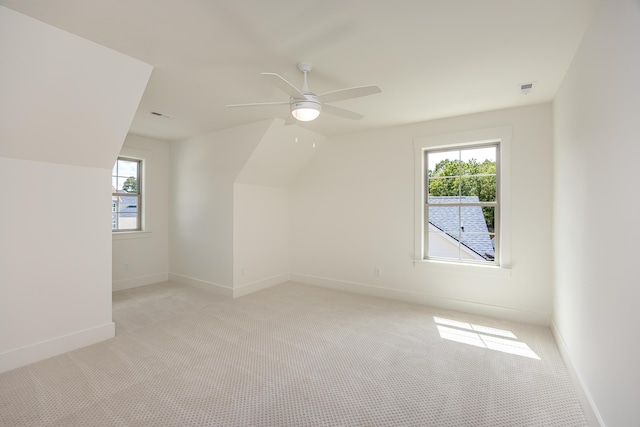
126 195
461 188
461 203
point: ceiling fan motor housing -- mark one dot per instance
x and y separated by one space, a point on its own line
306 109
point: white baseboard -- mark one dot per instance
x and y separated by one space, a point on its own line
134 282
589 407
525 316
258 285
202 284
52 347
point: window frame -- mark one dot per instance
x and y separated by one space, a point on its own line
460 204
138 195
502 138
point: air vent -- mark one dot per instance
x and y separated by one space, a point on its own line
158 114
525 88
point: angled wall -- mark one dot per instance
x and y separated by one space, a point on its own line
229 208
261 240
203 170
65 109
596 213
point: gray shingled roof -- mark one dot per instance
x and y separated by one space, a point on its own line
126 208
447 219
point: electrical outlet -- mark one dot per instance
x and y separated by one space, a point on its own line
242 271
125 266
378 272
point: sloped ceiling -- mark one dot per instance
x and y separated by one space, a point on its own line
64 99
280 156
432 58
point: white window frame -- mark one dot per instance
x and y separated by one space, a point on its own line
138 196
502 136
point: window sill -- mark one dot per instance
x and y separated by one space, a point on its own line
124 235
450 266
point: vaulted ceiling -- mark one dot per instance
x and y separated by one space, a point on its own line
431 58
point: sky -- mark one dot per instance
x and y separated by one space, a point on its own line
480 154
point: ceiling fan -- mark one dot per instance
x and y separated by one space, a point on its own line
306 105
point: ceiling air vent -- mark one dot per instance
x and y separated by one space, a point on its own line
525 88
157 114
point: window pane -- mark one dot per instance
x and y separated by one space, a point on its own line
444 219
444 163
479 155
127 221
475 236
478 246
127 185
443 245
444 190
479 188
489 213
460 232
128 168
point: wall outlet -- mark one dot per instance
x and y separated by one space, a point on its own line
242 271
125 266
378 272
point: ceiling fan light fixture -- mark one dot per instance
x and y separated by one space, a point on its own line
305 111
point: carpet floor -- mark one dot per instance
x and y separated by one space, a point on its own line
295 355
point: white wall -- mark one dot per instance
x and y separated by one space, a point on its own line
353 210
203 171
55 257
56 84
141 258
65 108
597 210
261 249
261 237
230 205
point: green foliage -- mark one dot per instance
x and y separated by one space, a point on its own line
130 185
458 178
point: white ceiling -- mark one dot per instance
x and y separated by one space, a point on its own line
431 58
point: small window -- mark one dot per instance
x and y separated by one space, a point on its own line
462 193
461 203
126 195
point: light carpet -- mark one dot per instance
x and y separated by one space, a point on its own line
295 355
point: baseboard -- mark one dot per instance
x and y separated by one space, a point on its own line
532 317
202 284
258 285
589 407
134 282
45 349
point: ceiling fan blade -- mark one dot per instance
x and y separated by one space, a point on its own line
258 104
352 92
342 112
282 84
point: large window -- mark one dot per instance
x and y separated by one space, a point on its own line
126 197
462 192
461 203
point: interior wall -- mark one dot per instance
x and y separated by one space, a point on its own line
55 256
352 211
261 237
65 108
142 258
596 213
203 170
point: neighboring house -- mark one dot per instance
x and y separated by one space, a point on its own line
466 228
126 208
